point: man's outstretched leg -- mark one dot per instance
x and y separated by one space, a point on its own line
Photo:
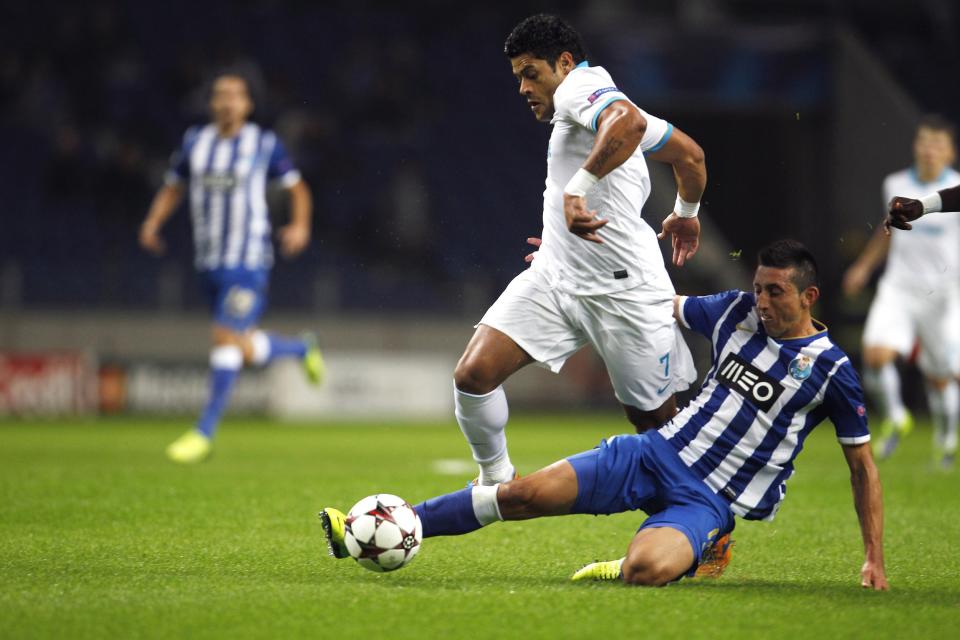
548 492
262 348
226 360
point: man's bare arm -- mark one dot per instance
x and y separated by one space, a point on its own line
690 171
868 501
870 258
295 237
620 129
689 164
902 211
162 207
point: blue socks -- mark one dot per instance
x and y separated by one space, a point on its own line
283 347
459 512
449 515
269 346
225 364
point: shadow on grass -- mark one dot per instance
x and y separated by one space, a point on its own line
829 590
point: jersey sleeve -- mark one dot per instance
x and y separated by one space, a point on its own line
844 406
657 133
584 94
280 166
179 169
701 313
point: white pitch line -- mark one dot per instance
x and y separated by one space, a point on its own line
454 466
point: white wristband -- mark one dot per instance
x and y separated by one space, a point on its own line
685 209
932 203
581 182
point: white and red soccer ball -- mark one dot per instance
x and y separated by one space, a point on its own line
383 532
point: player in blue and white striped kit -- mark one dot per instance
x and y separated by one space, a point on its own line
223 167
775 375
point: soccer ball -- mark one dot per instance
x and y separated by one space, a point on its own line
383 532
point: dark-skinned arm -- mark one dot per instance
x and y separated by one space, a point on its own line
903 211
620 129
689 165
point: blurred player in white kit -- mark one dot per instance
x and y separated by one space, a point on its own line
918 297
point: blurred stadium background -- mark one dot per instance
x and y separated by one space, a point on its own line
427 173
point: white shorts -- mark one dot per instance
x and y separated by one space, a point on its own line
898 318
633 331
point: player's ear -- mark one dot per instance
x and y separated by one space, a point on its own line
565 62
810 296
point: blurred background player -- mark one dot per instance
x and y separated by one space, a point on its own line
918 297
225 167
776 375
902 211
599 277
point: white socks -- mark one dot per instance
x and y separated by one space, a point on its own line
485 507
260 348
482 420
884 385
944 409
226 356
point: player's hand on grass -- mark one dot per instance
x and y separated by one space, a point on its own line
872 576
581 221
535 242
855 279
901 212
685 234
294 238
151 240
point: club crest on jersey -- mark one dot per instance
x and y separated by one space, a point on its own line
599 92
801 367
753 384
239 301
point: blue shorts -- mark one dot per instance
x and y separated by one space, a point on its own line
237 297
644 472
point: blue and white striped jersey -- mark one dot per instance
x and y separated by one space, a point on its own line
227 190
759 401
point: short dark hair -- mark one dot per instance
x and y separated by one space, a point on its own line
546 37
785 254
936 122
233 72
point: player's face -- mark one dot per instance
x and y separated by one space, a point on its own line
783 309
933 151
538 81
230 100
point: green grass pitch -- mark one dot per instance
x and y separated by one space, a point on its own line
101 537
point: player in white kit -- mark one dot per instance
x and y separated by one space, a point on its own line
599 277
918 297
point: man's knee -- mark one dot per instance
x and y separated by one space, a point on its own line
517 499
475 374
646 420
222 336
644 569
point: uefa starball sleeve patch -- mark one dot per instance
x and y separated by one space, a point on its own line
593 97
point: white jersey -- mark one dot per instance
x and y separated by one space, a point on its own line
630 254
927 258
